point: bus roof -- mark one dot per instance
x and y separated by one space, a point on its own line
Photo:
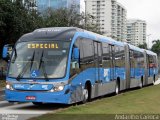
67 33
51 33
150 52
132 47
99 38
64 33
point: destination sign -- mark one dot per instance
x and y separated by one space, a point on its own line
43 45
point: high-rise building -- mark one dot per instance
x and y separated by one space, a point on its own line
136 31
78 5
102 12
121 23
110 17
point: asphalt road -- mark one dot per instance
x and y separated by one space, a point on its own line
25 111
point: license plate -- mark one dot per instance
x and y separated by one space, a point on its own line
30 97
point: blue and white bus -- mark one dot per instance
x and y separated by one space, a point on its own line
69 65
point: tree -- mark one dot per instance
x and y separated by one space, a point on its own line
144 46
6 21
64 17
156 47
16 19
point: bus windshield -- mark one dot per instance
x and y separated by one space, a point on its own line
39 60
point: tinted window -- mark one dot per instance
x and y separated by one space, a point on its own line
86 56
88 53
119 56
152 61
106 56
139 59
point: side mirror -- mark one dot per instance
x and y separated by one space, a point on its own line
76 53
7 50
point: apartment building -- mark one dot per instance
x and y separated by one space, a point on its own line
121 23
136 31
110 17
101 10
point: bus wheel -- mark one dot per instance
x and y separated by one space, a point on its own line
37 103
117 88
85 95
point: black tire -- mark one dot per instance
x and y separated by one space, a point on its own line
37 103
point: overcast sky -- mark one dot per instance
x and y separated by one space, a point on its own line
148 10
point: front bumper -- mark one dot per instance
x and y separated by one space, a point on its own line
45 97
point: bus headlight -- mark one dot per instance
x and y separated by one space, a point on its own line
59 88
9 86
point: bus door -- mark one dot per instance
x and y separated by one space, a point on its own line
112 70
98 66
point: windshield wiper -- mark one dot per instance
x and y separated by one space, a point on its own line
43 67
25 67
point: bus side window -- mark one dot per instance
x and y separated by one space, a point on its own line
75 63
86 56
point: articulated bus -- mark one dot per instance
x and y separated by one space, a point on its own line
68 65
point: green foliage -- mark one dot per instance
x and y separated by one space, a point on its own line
69 18
156 47
16 20
141 101
144 46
